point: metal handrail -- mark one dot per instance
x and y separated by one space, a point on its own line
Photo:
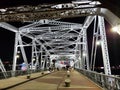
108 82
17 73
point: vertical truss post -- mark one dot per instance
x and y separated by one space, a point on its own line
104 46
75 65
15 53
78 64
80 59
79 55
32 57
41 61
85 54
78 47
23 52
2 68
43 64
85 48
46 59
36 54
47 63
76 54
93 45
96 37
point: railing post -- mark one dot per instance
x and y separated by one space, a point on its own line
102 81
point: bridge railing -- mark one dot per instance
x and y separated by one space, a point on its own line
108 82
17 73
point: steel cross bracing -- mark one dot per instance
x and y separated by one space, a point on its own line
85 55
37 38
2 68
50 36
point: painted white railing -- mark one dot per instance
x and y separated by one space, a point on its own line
108 82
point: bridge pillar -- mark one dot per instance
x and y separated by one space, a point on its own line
15 53
104 46
85 54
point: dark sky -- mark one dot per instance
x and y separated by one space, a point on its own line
6 3
10 3
6 44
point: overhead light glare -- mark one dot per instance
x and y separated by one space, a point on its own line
95 3
81 1
116 29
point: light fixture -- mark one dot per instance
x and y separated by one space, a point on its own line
84 54
17 56
18 52
98 42
116 29
33 59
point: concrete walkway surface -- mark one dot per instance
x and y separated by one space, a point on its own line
52 81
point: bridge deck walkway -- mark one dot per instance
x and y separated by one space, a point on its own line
52 81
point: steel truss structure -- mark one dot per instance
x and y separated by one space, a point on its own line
47 35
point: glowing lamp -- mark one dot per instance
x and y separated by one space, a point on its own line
116 29
98 43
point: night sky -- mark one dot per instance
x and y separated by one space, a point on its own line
6 44
11 3
6 3
7 37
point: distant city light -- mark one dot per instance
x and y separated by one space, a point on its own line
3 10
102 67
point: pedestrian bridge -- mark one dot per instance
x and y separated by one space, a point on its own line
49 81
55 80
71 34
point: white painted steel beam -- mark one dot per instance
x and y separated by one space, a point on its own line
62 27
104 46
8 27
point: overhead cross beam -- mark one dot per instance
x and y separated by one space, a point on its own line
8 27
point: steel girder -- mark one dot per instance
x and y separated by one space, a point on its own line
15 53
84 56
46 21
29 16
8 27
52 28
104 46
35 13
